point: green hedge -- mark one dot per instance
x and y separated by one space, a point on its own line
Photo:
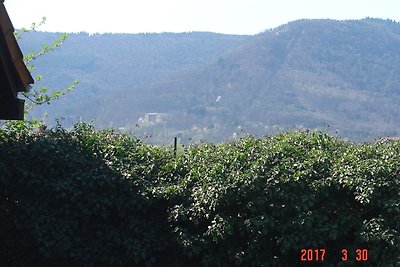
259 202
80 199
96 198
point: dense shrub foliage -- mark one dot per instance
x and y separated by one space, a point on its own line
96 198
80 199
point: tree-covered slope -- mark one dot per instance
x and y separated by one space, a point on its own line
308 73
111 63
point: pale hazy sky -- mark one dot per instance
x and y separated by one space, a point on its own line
223 16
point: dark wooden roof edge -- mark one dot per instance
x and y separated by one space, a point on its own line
24 78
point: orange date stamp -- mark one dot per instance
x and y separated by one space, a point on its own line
319 255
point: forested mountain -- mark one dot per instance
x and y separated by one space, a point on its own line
116 63
305 74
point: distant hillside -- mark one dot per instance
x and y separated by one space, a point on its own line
306 74
114 63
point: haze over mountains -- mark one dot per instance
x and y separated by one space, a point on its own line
305 74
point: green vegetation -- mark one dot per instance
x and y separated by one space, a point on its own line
37 94
97 198
81 199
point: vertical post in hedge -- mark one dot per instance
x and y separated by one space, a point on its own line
175 145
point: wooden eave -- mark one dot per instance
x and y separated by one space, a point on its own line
15 77
14 51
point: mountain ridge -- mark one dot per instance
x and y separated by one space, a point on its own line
304 74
